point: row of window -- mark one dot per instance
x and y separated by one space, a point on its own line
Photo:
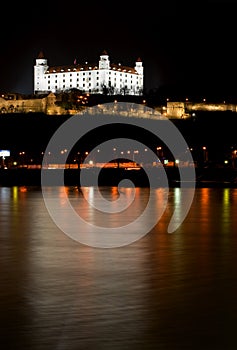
84 86
89 73
89 79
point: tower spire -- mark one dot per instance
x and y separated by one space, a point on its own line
41 54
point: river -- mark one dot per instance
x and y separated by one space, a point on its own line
168 291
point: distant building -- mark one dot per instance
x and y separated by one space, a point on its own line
101 78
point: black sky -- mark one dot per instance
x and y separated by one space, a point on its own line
190 46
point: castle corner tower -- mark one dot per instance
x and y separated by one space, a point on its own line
40 68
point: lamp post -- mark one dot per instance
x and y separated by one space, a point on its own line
159 153
205 154
133 156
234 155
22 158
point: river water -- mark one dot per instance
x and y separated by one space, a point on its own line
163 291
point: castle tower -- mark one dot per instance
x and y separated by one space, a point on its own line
138 66
104 62
39 70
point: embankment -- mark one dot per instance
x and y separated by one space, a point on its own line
205 177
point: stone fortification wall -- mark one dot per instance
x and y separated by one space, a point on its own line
16 104
185 109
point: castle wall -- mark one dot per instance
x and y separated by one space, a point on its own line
185 109
180 110
175 109
22 105
16 104
222 107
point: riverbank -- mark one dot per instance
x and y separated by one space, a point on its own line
205 177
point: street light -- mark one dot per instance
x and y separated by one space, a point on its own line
234 155
205 154
133 156
22 161
159 152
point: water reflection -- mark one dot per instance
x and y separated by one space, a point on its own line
164 291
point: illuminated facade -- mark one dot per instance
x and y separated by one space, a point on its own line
104 78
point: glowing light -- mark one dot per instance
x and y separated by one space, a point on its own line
4 153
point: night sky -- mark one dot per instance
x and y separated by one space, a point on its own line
188 47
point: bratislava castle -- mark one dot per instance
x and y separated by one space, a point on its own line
105 77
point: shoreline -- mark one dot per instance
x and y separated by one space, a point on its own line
205 177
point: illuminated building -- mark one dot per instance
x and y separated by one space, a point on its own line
104 78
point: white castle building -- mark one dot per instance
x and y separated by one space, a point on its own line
104 78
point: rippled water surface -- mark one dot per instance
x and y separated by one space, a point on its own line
163 291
